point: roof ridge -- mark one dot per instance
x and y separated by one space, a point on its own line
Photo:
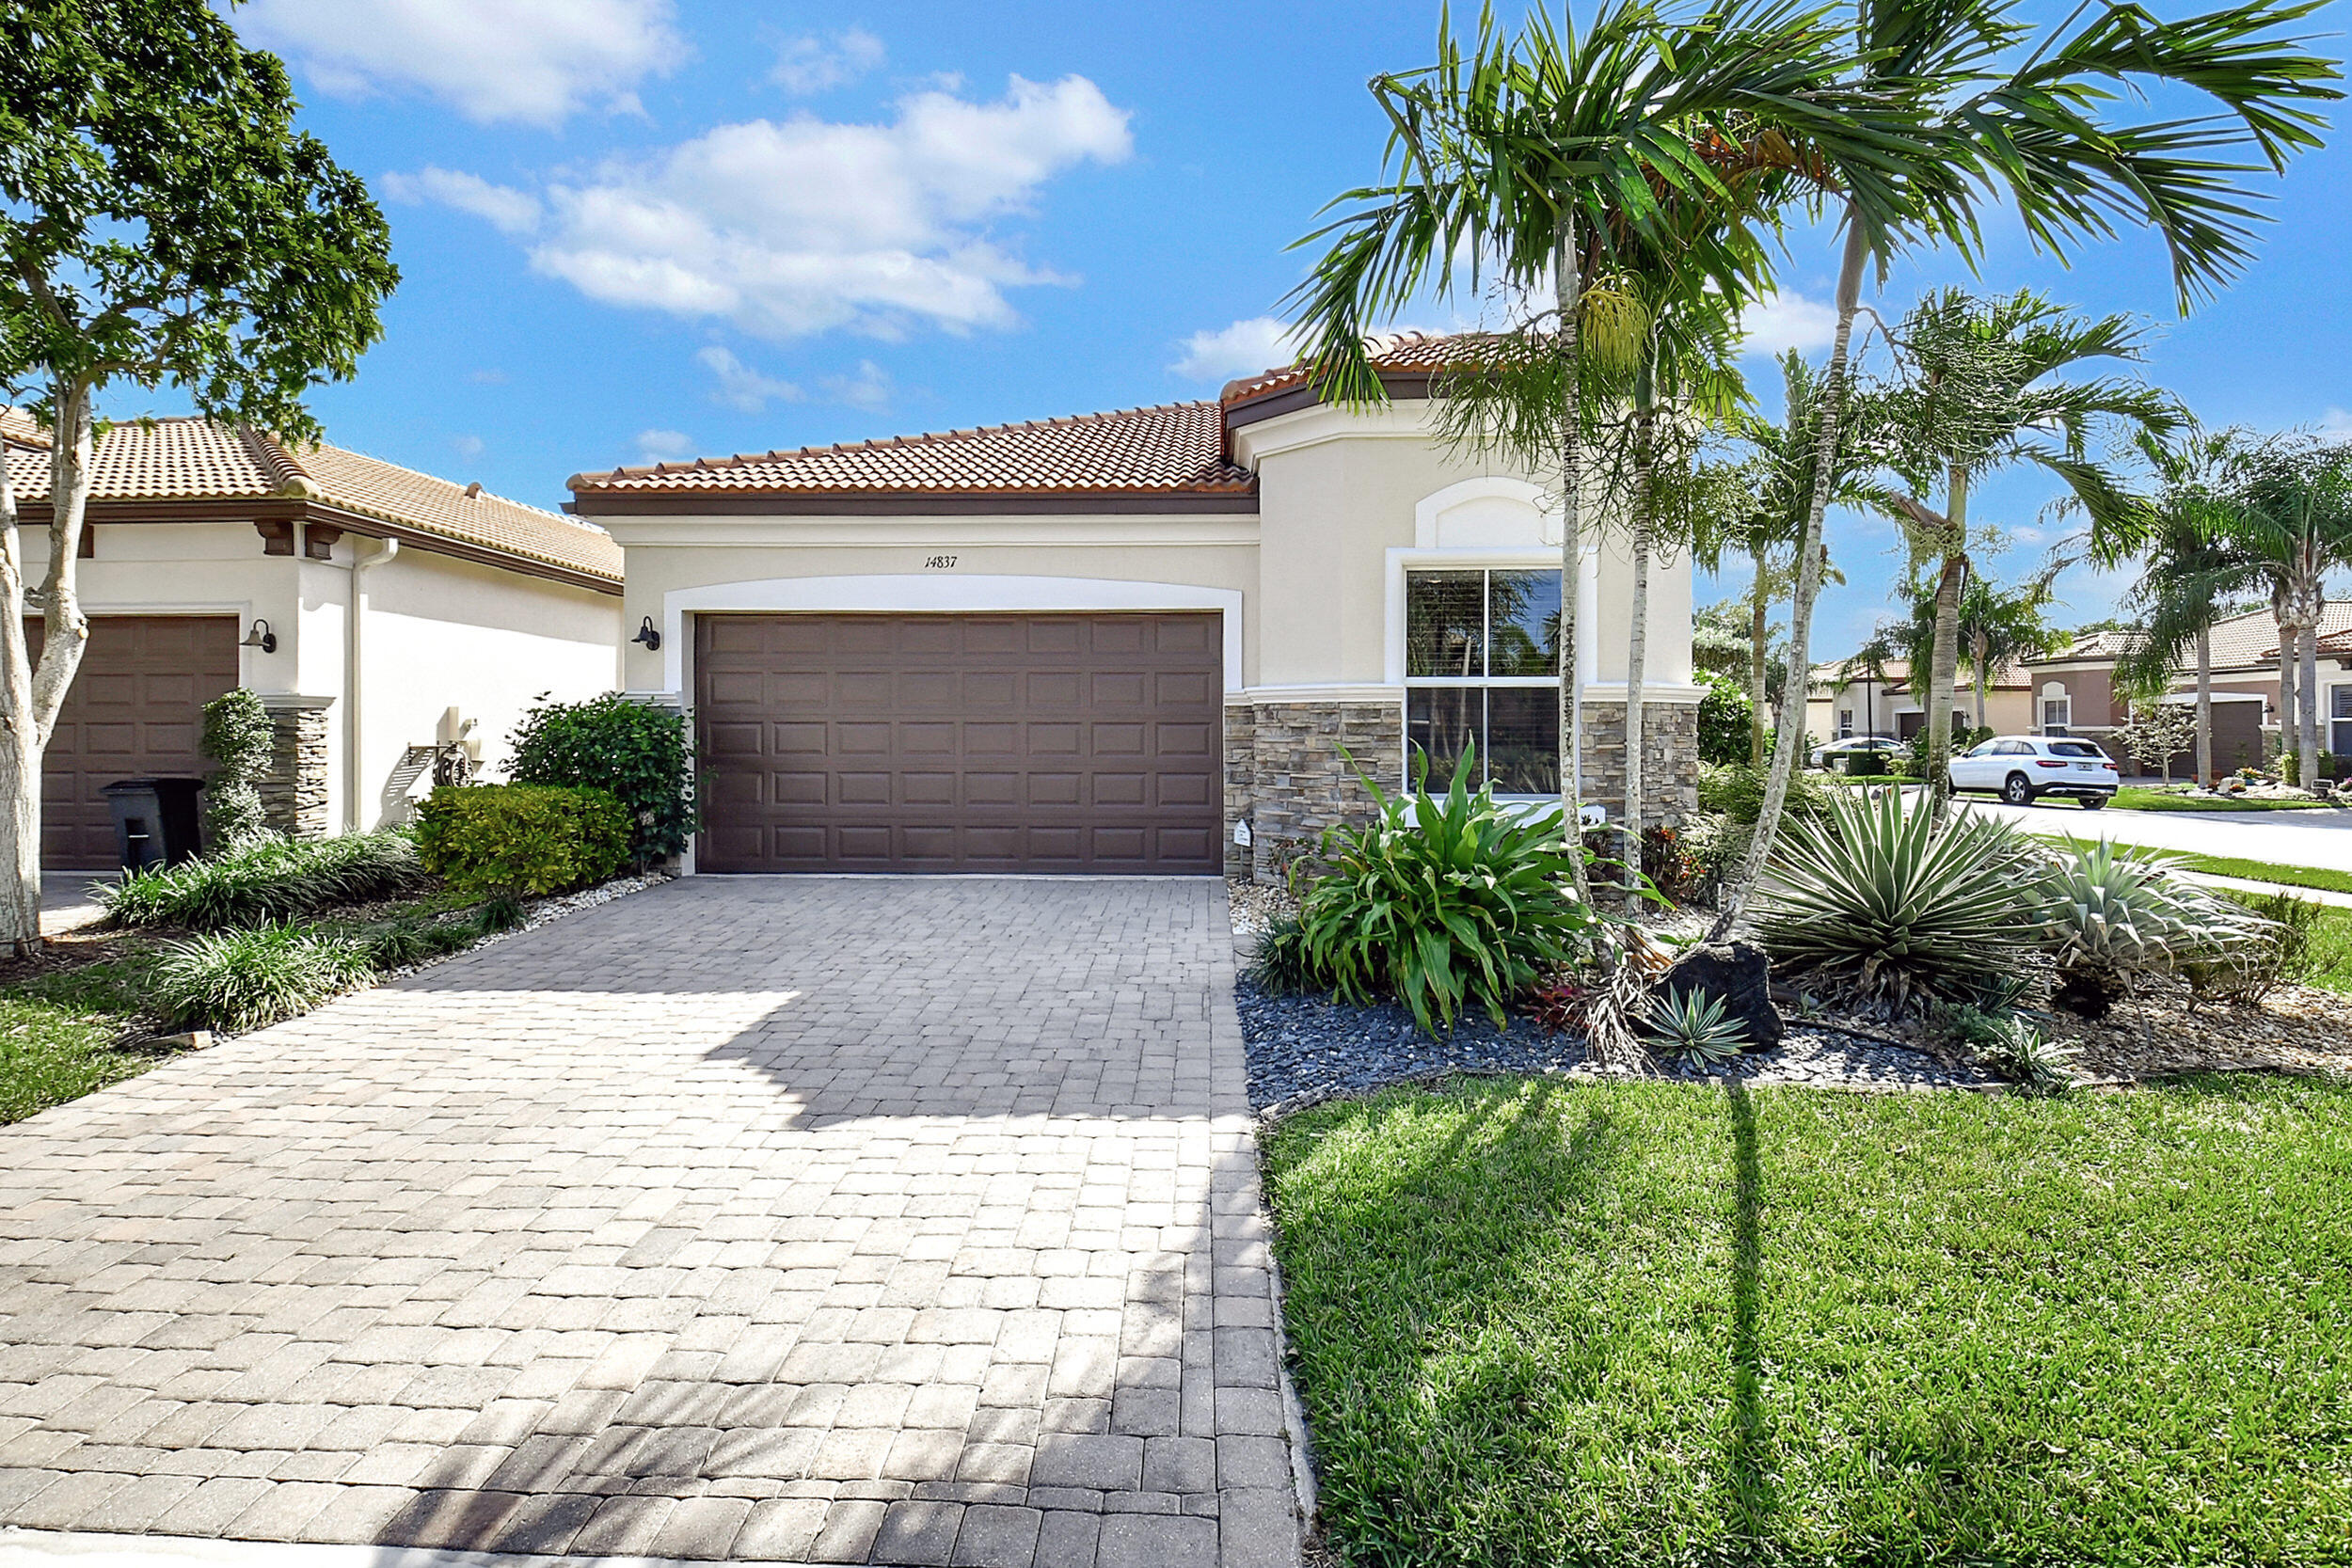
883 443
287 476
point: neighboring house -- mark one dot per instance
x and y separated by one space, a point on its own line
2074 688
1848 701
217 556
1128 642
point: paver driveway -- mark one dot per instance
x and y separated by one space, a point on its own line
894 1220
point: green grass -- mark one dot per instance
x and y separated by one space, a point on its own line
51 1052
2331 950
2144 798
1646 1324
2268 871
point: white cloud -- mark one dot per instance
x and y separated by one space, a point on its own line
1245 348
468 446
869 388
2336 426
804 226
741 386
664 446
504 208
809 65
532 61
1788 321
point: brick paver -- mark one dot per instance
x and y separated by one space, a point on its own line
883 1220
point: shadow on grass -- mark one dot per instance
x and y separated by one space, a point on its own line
1749 1456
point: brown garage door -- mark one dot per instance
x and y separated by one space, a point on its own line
133 713
960 742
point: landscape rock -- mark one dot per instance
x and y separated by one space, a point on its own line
1741 974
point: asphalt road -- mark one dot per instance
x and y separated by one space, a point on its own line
2311 838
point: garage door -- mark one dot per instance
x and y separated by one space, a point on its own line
1081 743
133 713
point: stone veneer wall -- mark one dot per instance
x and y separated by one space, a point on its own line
1284 776
294 794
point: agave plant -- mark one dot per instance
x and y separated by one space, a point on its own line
1877 899
1441 901
2114 911
1694 1025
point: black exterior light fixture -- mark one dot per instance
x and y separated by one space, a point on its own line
645 634
261 637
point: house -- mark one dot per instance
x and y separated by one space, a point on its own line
2075 688
1152 639
1848 701
217 556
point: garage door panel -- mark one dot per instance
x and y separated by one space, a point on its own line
1059 742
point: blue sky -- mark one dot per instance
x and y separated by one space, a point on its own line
643 229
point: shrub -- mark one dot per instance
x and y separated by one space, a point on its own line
1737 790
2112 911
2019 1051
237 735
638 755
1877 898
1726 715
521 838
416 936
1439 902
2277 951
239 980
265 880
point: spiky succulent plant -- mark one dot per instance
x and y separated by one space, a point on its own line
1694 1025
2114 911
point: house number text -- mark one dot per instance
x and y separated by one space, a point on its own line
938 562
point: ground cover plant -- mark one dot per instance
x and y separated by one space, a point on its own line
243 978
266 879
2268 871
1653 1323
2144 798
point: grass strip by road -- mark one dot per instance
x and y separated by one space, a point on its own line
1646 1323
2142 798
2322 876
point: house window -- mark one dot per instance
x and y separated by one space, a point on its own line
2057 714
1482 668
1845 723
2340 720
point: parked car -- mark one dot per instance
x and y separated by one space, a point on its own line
1834 754
2020 768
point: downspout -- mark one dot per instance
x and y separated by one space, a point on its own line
354 619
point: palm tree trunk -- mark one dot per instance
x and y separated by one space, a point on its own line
1759 631
2284 619
1637 644
2307 692
1789 743
1569 285
2205 706
1943 657
1979 657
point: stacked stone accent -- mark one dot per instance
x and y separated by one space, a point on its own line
1284 775
293 792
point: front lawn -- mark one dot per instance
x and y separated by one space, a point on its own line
50 1052
1649 1323
2145 798
2268 871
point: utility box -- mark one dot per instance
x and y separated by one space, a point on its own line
155 820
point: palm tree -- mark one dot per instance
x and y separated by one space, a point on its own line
1538 161
1980 398
2000 112
2000 628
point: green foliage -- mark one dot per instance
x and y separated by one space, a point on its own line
1779 1328
502 912
640 755
238 736
1437 902
1697 1025
265 880
52 1052
2279 951
2012 1046
521 838
1737 791
1726 716
419 936
2114 911
242 979
1877 898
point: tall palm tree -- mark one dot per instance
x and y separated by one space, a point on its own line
1534 162
2001 628
1981 396
2008 111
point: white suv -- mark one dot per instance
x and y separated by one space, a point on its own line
2020 768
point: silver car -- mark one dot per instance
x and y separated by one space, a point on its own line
1834 754
2022 769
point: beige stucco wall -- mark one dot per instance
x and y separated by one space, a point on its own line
439 632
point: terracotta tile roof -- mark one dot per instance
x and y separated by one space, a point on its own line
1172 448
195 460
2239 641
1401 352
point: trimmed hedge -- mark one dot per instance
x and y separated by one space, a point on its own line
521 838
265 880
637 754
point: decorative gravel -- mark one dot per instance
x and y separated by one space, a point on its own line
1304 1050
538 912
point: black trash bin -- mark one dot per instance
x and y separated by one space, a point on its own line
155 820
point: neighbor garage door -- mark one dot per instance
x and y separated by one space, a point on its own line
960 742
133 712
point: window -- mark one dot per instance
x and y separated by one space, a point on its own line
1984 748
2340 720
1845 723
1482 668
2057 713
2076 748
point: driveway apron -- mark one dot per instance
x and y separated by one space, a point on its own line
800 1219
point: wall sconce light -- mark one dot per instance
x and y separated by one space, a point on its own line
261 637
645 634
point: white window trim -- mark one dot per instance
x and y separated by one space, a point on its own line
2041 714
2336 689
